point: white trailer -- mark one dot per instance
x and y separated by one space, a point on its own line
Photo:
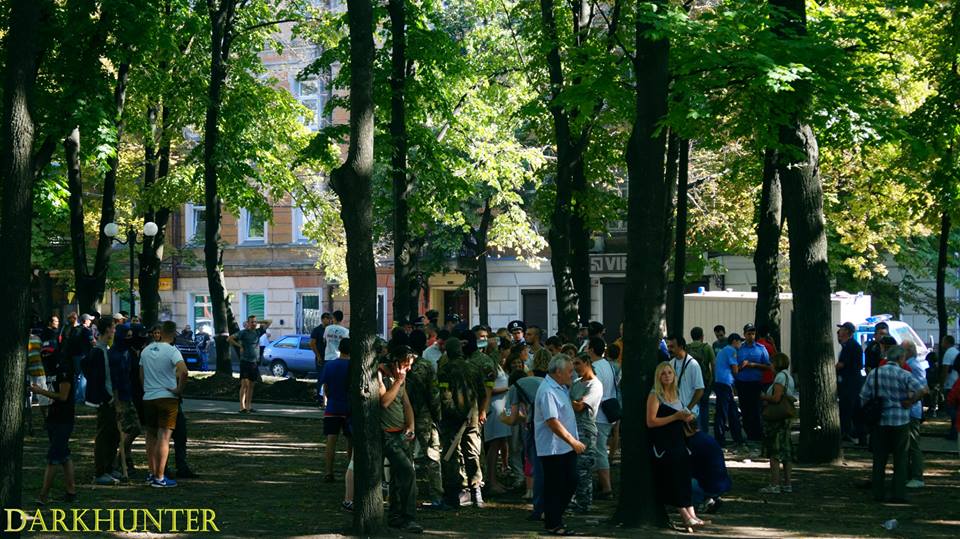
734 309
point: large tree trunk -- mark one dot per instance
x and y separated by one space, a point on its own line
798 167
222 19
156 167
672 169
24 47
648 232
405 289
90 285
943 319
560 235
580 242
352 183
765 258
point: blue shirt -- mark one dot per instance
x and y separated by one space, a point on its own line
918 371
754 353
722 373
553 402
335 376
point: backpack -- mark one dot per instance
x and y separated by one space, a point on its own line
461 384
94 370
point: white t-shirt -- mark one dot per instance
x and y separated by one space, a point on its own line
433 354
690 382
949 358
604 372
159 362
264 339
333 334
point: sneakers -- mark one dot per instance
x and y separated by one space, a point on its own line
465 498
914 483
106 479
149 479
166 482
477 497
347 506
770 489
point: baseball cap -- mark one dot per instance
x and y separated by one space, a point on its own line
84 317
118 316
848 326
515 325
749 327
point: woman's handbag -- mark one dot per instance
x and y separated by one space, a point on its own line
786 408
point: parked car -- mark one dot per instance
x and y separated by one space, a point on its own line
191 355
287 354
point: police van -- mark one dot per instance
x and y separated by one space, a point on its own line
900 331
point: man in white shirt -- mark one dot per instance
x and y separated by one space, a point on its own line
434 352
555 433
332 336
163 375
608 375
689 376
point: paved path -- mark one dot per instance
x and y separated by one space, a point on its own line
264 409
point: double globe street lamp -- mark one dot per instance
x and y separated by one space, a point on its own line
111 230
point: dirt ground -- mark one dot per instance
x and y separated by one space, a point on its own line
262 476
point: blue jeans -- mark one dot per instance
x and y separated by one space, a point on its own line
704 417
726 411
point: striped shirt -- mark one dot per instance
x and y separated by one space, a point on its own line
893 385
34 361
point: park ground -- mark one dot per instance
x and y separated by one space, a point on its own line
262 474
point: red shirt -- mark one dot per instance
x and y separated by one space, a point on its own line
768 375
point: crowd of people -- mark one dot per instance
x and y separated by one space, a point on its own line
134 378
478 413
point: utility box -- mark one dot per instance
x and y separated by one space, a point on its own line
735 309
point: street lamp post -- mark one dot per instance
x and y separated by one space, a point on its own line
111 230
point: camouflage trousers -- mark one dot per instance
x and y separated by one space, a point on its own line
428 458
462 469
585 462
403 484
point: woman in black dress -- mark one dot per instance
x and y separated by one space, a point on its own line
666 418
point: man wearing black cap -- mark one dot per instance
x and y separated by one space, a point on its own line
873 354
594 329
727 415
517 329
849 380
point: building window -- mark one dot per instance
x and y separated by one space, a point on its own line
312 95
195 223
254 304
253 227
300 219
308 311
201 313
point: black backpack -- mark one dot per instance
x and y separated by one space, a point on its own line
871 411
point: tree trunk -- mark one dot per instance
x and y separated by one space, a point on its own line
481 242
580 241
671 167
798 168
405 289
156 167
24 47
352 183
559 237
222 18
675 320
943 318
648 232
765 258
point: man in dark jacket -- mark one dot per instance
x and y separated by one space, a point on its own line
849 380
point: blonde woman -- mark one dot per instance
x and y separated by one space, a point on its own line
776 433
666 418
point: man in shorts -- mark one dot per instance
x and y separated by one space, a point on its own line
163 374
246 340
335 380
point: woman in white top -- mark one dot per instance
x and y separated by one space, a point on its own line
496 433
776 437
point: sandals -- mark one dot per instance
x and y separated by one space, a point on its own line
561 531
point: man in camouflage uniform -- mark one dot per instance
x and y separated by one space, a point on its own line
425 398
462 395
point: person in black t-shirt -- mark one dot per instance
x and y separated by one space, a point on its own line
60 419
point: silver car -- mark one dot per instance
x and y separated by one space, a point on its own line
289 354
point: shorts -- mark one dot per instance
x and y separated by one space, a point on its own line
127 418
38 398
249 370
334 425
160 413
59 436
